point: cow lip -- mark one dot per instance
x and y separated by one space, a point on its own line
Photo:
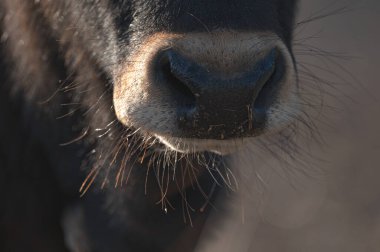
193 145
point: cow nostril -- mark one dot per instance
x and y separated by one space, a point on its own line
211 104
179 91
268 92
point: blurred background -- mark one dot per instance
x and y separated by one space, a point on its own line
340 46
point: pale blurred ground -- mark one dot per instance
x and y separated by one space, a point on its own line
337 209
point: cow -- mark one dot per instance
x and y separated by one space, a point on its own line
136 104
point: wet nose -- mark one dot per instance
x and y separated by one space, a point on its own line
211 104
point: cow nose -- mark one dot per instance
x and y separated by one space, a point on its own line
212 104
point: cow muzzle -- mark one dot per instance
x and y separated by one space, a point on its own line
198 91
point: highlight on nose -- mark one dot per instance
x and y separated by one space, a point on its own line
214 105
